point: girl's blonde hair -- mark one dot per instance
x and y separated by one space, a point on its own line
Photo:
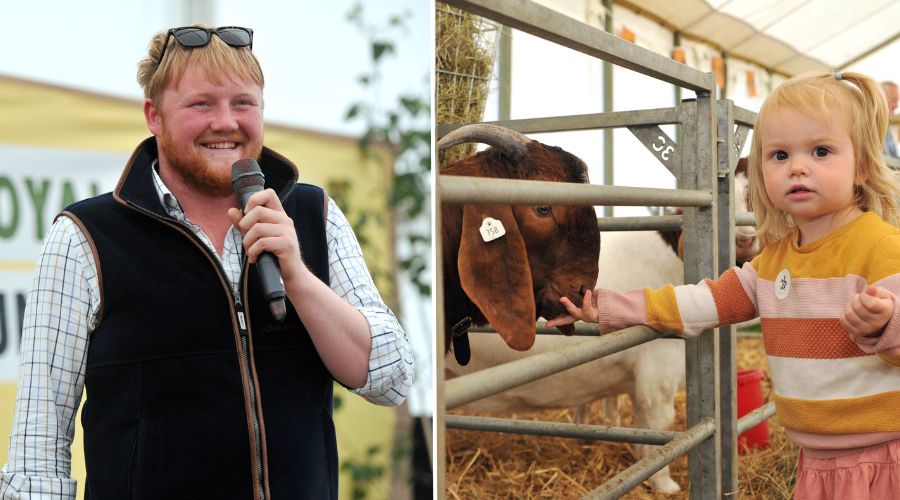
820 95
217 59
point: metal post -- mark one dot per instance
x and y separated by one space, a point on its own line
504 74
440 444
608 166
676 41
704 466
727 342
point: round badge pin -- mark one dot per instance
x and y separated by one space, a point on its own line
783 284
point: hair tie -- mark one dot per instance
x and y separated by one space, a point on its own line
837 75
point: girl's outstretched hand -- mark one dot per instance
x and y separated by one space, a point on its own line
868 312
587 311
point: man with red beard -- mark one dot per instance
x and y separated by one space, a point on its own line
147 298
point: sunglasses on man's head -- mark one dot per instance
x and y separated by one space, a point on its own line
193 37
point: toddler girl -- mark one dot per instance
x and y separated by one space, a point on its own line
825 285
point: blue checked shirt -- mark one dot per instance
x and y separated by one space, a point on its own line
62 311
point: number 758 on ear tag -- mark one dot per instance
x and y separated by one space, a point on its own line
491 229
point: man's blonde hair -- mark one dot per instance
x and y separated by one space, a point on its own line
218 60
821 95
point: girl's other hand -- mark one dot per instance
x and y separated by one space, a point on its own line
867 313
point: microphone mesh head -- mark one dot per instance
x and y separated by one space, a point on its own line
245 173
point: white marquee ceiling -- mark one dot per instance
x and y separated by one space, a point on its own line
787 36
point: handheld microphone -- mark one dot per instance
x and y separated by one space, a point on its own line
247 178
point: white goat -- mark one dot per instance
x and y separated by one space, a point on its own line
650 373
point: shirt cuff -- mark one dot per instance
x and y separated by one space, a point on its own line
390 360
23 487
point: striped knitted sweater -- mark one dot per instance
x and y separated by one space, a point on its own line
831 394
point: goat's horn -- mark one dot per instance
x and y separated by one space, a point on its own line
511 143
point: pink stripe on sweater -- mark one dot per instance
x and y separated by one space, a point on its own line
620 310
809 297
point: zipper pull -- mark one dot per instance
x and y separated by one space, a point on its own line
242 322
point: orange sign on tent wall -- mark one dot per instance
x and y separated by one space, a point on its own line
718 67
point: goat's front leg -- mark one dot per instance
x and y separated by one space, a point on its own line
654 408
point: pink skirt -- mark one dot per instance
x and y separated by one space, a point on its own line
871 474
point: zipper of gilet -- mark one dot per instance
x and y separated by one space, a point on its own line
242 330
251 386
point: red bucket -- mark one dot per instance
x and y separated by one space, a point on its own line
749 398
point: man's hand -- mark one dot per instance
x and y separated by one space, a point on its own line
267 228
867 313
587 312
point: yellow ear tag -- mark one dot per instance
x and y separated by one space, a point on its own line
491 229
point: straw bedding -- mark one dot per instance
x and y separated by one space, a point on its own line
488 465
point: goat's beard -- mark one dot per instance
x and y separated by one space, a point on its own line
567 330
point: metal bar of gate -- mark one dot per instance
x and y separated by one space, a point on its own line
649 223
660 222
463 189
754 418
560 429
744 219
581 329
744 116
662 456
591 121
481 384
561 29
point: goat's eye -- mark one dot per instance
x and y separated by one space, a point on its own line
543 210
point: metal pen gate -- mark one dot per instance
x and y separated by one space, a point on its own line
703 163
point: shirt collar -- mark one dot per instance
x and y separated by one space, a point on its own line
166 198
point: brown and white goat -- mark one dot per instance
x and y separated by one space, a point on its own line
649 373
549 251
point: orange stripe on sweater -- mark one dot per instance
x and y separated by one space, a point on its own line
813 338
732 302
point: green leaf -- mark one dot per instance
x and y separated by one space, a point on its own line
380 49
352 112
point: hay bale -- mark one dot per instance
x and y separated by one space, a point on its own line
499 466
464 62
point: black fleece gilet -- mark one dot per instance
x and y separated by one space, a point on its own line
170 399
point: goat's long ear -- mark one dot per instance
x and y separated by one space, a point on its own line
496 276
